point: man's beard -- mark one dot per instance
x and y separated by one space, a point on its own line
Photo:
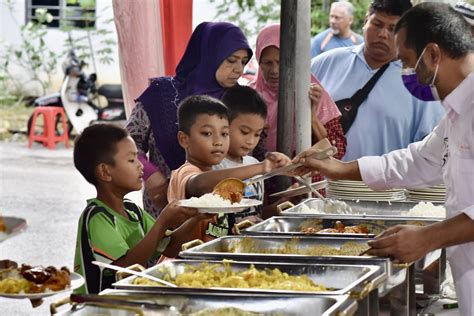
335 31
425 77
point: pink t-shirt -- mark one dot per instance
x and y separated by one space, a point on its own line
178 180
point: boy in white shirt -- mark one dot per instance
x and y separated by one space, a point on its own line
247 116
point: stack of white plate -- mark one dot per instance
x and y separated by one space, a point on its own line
358 190
433 194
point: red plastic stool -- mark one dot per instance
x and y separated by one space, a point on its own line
49 137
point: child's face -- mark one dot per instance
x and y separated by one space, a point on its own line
245 131
127 172
208 140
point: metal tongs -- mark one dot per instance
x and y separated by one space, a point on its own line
323 148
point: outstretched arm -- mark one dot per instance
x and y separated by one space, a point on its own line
205 182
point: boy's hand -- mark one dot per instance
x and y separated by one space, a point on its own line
274 160
172 216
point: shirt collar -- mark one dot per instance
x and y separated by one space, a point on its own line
461 98
359 51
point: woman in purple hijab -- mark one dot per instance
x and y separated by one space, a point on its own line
213 61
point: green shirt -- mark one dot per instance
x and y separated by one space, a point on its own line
104 235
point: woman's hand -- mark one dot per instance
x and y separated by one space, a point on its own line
156 187
315 93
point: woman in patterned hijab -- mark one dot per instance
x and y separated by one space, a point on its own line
213 61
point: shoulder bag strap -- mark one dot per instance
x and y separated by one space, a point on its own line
363 93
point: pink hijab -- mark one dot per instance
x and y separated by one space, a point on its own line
270 36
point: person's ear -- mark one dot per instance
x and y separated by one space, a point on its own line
351 20
102 173
432 56
183 139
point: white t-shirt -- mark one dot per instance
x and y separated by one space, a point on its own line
253 191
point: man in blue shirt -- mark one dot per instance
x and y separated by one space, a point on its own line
339 34
390 118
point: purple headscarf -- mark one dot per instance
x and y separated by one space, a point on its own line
210 44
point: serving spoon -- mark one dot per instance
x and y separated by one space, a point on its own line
130 271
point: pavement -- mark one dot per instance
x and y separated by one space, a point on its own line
43 187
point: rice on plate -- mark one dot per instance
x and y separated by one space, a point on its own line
209 200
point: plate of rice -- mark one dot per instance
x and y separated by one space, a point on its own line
213 204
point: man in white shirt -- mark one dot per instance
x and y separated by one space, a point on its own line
435 45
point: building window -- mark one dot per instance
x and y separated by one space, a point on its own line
66 13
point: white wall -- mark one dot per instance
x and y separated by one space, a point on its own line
55 38
203 10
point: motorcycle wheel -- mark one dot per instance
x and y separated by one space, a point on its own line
59 126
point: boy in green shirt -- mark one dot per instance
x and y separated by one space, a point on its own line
113 229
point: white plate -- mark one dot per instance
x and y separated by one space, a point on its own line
14 225
243 205
76 281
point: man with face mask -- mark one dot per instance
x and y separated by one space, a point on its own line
339 33
435 45
389 118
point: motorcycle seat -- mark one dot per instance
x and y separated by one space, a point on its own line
111 91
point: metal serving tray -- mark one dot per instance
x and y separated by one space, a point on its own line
187 303
233 247
14 226
364 209
343 279
293 225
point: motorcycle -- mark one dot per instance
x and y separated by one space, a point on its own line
82 100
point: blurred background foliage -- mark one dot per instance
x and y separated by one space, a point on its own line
268 11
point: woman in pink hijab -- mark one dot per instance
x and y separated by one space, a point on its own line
325 114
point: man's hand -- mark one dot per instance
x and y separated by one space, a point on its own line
172 216
405 243
274 160
330 167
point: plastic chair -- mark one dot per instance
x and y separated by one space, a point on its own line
50 135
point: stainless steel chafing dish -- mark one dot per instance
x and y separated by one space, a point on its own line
364 209
398 287
357 280
430 270
236 248
294 225
111 302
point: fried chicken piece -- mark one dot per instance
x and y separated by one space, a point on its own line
37 275
59 280
3 227
231 189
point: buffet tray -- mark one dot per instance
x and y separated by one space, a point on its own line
234 248
14 226
364 209
203 303
342 279
293 225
